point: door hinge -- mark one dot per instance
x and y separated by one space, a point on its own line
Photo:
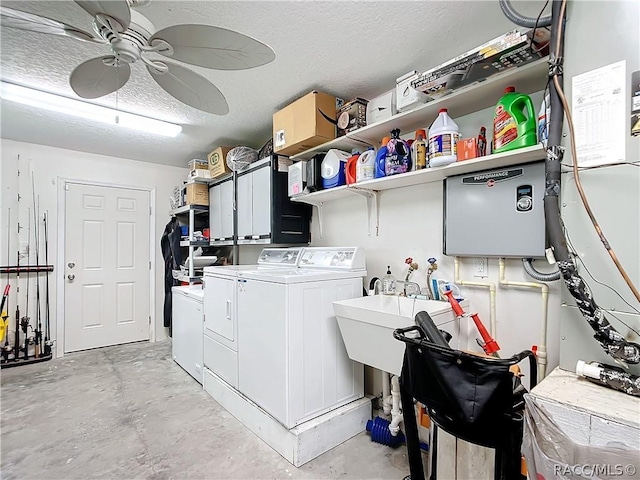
149 264
149 319
150 211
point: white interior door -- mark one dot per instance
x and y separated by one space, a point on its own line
106 271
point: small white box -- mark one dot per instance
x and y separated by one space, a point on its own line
408 97
203 173
297 178
381 107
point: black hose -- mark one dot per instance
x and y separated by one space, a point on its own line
612 341
521 20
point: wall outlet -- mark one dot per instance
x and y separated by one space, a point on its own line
480 267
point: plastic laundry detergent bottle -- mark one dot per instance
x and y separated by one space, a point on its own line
381 157
514 122
398 158
332 168
366 165
352 164
443 139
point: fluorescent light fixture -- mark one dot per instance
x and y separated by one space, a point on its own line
56 103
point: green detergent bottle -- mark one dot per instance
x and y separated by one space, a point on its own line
514 122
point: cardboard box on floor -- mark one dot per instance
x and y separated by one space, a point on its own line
197 194
301 125
218 161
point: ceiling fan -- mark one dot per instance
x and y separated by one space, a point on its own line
132 37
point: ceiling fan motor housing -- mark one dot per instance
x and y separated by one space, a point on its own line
126 46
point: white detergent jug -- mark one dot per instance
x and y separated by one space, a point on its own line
365 168
443 138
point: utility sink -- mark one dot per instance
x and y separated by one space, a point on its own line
367 325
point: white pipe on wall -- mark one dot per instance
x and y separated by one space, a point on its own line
493 327
544 290
386 393
396 413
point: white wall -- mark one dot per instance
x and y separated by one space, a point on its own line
411 226
48 164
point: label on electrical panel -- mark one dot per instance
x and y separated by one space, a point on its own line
484 178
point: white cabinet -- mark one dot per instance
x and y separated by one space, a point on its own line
221 210
187 320
254 202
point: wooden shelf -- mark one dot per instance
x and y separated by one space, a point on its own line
478 96
345 143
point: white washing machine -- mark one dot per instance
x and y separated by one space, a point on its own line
292 361
186 342
220 324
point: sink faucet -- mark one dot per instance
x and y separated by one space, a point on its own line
375 286
411 288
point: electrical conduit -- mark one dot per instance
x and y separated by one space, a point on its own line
492 294
544 289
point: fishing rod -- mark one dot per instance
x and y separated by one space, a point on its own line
6 349
38 322
24 322
47 342
16 348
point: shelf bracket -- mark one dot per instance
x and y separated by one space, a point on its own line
371 197
318 206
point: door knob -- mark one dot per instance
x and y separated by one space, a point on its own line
71 277
71 264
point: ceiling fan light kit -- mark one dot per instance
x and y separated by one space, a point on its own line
132 37
89 111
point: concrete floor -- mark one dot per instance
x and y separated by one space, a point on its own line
131 412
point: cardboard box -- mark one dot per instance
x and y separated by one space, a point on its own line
197 194
218 161
467 149
352 116
301 125
381 107
200 173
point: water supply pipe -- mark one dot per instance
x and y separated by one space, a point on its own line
544 290
396 413
492 294
386 393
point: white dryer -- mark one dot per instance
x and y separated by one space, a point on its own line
186 342
292 361
220 326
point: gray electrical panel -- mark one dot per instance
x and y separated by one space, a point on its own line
495 213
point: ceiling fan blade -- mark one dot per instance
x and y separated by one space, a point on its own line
36 23
116 9
99 76
191 88
213 47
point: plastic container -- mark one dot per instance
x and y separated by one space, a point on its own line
443 138
388 283
514 122
350 169
398 159
332 169
366 165
419 150
381 156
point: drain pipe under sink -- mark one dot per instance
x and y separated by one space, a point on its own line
396 413
386 393
544 290
492 294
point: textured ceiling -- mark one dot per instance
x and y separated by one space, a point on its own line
347 48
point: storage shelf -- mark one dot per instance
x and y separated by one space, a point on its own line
345 143
471 98
219 243
194 243
428 175
187 278
186 208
